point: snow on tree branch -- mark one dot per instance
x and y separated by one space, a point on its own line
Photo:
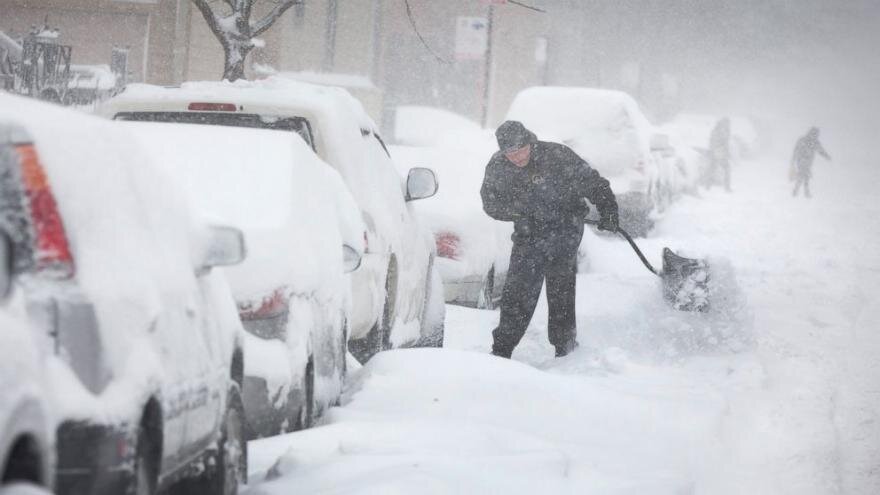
235 31
280 8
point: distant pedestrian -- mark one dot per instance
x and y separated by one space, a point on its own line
801 168
540 187
719 152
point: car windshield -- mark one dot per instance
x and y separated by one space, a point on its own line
296 124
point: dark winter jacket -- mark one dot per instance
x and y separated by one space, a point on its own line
546 196
805 152
719 140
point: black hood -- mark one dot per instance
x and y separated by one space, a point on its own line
512 134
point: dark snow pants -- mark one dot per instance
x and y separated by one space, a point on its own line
803 177
552 257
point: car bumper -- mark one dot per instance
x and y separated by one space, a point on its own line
466 289
94 458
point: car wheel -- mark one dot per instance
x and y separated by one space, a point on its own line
379 337
306 415
145 472
433 317
229 468
486 299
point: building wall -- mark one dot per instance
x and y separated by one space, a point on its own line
149 28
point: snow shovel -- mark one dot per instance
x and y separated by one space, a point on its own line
685 280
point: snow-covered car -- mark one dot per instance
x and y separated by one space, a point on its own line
27 447
473 250
395 303
117 269
608 130
292 292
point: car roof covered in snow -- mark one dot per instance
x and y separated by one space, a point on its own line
562 113
275 95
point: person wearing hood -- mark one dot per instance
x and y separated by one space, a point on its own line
805 151
541 187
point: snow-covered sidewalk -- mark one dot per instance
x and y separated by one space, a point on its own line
777 391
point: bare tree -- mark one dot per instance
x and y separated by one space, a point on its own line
230 21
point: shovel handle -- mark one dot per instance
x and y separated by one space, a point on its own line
632 244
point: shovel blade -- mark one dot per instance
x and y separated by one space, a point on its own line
685 282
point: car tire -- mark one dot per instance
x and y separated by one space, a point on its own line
229 468
433 317
486 298
379 337
145 469
306 415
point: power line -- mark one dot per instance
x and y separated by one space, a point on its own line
416 29
536 9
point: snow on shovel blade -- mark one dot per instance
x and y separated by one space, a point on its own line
685 282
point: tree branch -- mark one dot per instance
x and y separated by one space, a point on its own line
211 18
265 23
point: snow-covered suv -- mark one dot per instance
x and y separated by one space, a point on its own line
116 269
397 292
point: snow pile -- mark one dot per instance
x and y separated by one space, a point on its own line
98 77
353 81
427 421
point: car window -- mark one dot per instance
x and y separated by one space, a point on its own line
299 125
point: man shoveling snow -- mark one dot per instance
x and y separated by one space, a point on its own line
540 187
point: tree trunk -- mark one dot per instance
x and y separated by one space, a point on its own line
235 56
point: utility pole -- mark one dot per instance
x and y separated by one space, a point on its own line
487 75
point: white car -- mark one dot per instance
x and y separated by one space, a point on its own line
394 301
608 130
117 269
473 250
292 292
27 445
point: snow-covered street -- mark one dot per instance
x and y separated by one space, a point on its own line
777 390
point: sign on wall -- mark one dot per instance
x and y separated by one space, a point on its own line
471 38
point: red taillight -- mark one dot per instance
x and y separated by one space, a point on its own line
269 306
211 107
51 250
447 245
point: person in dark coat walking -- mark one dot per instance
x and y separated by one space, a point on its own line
719 151
802 160
540 187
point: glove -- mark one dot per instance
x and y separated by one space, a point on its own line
609 222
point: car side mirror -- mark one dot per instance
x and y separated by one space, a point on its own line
225 247
421 183
351 259
5 265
